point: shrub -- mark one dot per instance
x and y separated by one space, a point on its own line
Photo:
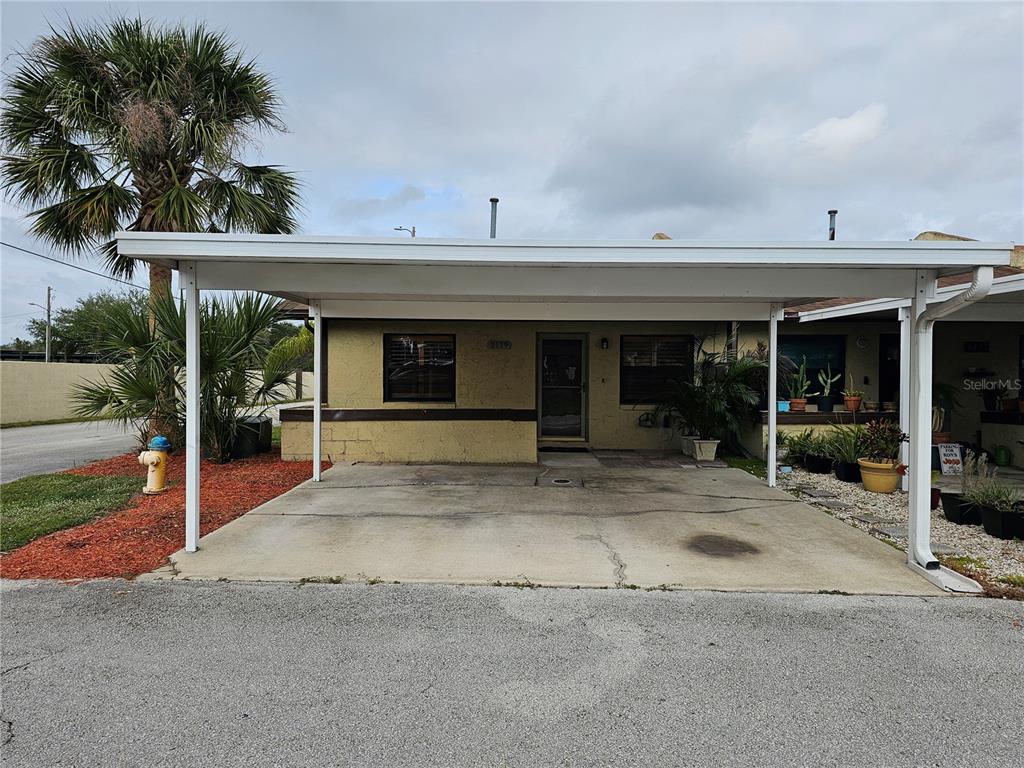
846 443
882 440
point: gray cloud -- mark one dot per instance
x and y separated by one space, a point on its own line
743 121
357 209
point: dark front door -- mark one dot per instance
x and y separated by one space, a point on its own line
562 387
889 367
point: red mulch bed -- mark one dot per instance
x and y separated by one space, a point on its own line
139 538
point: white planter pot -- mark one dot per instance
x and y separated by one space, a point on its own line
687 444
705 450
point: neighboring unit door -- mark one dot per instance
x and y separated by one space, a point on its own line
562 387
889 367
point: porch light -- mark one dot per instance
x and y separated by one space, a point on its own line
604 342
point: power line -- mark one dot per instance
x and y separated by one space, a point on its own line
68 264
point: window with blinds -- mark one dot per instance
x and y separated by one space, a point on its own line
648 363
419 368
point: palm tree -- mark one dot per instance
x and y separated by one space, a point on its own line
132 126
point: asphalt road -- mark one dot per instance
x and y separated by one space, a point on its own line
53 447
188 674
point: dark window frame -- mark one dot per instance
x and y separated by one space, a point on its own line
686 338
812 371
389 397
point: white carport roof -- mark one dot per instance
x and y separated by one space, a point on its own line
1005 302
552 279
577 280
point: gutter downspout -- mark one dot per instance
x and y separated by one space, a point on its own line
923 327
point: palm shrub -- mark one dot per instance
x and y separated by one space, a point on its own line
720 397
241 372
845 443
799 444
128 125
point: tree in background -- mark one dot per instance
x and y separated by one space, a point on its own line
241 372
132 126
79 329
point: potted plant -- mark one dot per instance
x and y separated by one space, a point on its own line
936 491
798 443
998 504
956 506
715 404
852 397
818 458
880 466
798 389
872 405
826 379
846 446
944 404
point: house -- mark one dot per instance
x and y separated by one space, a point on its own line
485 350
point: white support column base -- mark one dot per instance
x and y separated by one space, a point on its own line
951 581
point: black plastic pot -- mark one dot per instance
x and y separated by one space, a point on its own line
1002 525
959 511
825 403
819 465
254 436
847 471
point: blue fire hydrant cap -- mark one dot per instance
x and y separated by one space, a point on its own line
159 443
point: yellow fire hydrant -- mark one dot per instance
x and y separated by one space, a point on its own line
156 459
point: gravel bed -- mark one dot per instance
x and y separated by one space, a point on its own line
888 514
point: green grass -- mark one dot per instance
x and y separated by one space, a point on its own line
756 467
1013 580
73 420
275 435
35 506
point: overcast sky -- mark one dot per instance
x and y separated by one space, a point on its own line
617 120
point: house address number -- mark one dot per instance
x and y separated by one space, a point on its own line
499 344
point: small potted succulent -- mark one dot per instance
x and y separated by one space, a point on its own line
955 505
826 380
799 389
852 397
880 466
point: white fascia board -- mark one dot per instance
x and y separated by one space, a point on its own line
236 248
1000 286
546 311
504 282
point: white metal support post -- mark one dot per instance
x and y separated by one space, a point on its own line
775 314
318 341
919 526
906 329
187 273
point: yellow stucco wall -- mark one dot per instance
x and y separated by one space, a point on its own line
485 378
32 391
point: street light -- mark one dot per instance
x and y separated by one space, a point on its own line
406 229
49 296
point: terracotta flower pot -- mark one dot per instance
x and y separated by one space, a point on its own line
852 403
798 404
879 477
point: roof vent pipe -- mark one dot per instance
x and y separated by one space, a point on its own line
832 224
494 217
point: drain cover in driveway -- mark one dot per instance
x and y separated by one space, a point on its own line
560 482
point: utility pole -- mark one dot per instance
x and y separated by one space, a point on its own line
406 229
49 304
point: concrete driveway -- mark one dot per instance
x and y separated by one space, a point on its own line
591 526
